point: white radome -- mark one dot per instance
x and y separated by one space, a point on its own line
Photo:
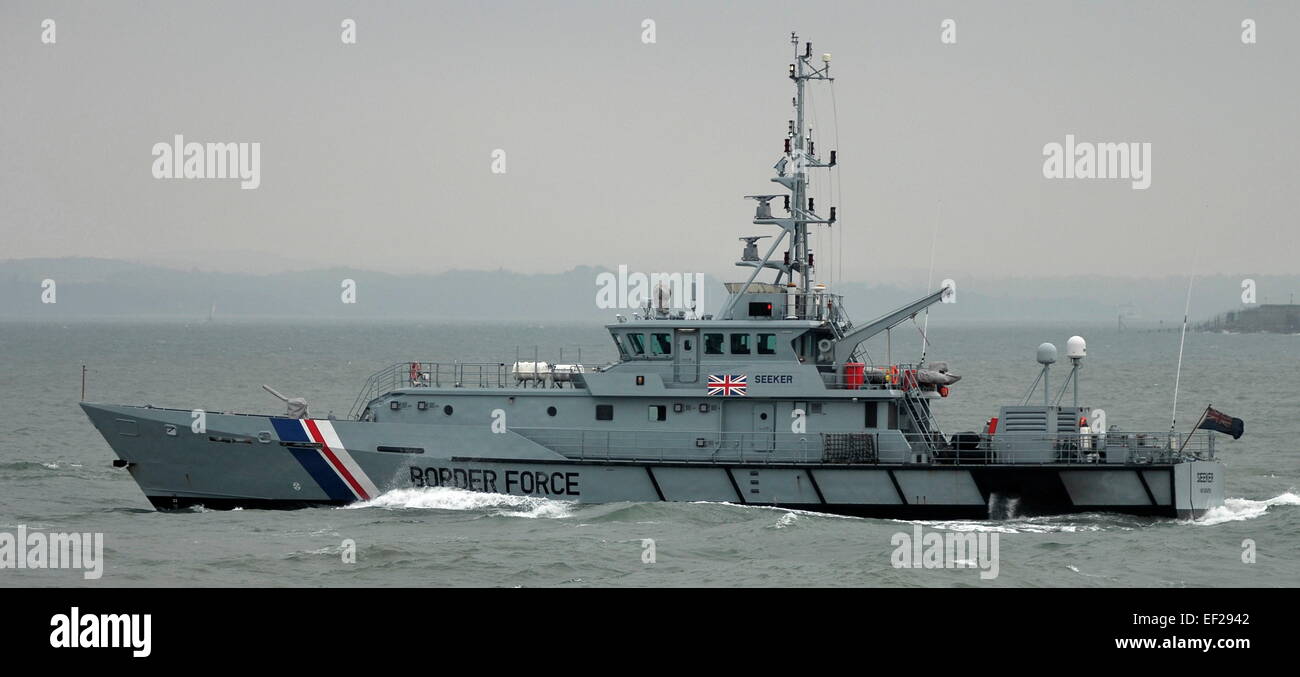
1076 348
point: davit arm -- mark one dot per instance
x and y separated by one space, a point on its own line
845 346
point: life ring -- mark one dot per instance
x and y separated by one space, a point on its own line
415 373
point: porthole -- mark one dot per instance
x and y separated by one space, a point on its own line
763 416
550 411
447 410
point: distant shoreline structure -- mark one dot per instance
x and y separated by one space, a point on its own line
1275 318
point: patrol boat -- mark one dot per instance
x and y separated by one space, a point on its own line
771 401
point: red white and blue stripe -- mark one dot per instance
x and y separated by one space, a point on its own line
727 385
329 464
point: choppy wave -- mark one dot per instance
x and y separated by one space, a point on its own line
29 465
786 520
448 498
1237 509
1033 525
777 508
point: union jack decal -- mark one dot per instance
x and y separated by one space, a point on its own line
727 385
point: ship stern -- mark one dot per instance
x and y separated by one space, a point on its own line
1198 488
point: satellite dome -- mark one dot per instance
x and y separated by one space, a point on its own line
1046 353
1076 348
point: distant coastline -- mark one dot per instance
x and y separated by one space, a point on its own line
91 288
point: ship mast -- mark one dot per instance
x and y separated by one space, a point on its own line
804 157
791 172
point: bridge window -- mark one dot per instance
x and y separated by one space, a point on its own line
604 412
637 343
713 344
661 344
740 344
658 412
618 342
767 344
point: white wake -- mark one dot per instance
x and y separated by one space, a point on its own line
1237 509
449 498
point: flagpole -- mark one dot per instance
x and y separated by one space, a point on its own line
1173 416
1194 429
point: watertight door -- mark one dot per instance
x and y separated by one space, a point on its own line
688 355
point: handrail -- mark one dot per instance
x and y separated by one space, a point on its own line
433 374
860 447
502 375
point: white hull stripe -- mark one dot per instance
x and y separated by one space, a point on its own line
342 462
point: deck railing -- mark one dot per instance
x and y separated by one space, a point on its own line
864 447
431 374
1078 448
680 446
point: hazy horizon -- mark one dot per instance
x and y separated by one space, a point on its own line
72 288
377 155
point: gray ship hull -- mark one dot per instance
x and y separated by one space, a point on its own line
273 462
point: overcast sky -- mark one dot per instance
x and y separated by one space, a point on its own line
378 154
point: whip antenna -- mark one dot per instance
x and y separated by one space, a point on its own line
929 282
